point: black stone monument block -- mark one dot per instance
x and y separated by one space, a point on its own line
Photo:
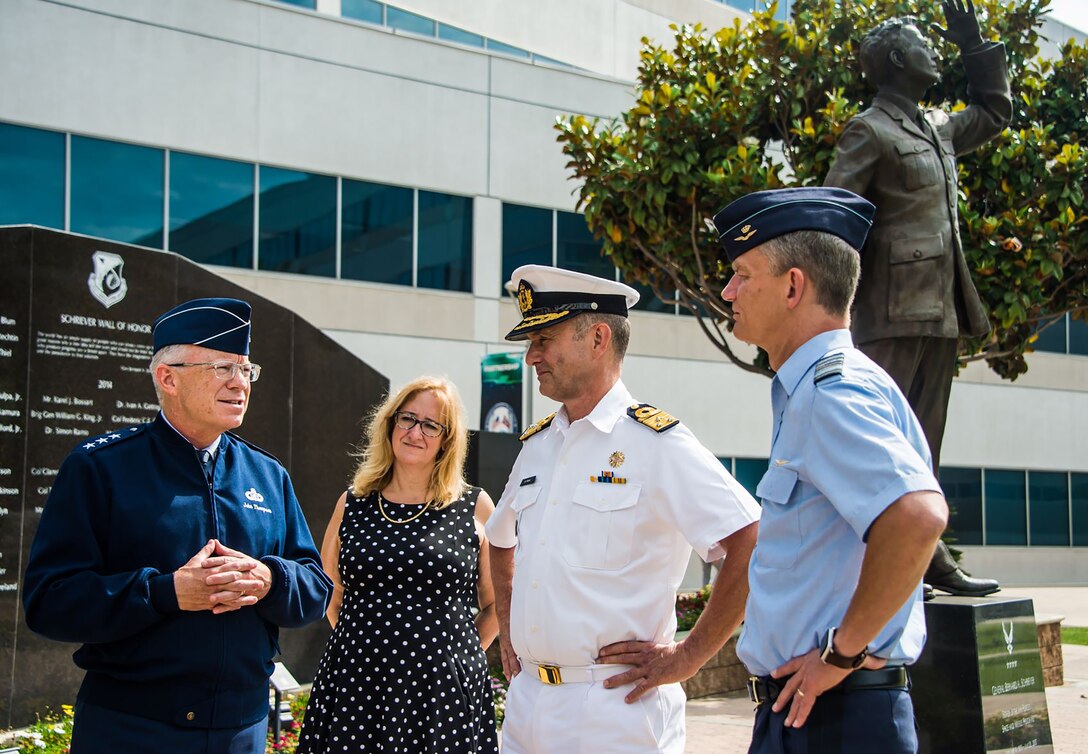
978 686
75 342
491 456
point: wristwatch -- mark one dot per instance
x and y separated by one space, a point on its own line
830 657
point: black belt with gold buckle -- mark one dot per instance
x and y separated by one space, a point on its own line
764 688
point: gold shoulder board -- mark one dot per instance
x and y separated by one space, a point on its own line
654 418
532 429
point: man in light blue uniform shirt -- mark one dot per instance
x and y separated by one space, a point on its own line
851 508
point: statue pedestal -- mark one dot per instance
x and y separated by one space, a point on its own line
978 686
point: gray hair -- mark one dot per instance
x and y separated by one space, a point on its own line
878 44
828 262
619 325
165 355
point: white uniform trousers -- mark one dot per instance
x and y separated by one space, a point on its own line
587 718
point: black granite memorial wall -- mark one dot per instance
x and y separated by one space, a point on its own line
75 342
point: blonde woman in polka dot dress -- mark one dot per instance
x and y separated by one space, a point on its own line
413 607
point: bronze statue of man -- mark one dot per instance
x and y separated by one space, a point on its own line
916 296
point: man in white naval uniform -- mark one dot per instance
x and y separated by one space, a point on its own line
592 536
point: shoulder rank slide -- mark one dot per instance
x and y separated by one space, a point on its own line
532 429
651 417
829 366
111 438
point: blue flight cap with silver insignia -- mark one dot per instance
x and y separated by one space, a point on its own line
761 216
221 324
549 296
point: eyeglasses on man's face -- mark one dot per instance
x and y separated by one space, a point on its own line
405 420
225 370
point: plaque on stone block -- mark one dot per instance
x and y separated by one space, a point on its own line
978 686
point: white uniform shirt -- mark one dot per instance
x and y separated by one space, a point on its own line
599 562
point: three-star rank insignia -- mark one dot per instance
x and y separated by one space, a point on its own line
651 417
616 459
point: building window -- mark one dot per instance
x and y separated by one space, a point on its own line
444 236
526 238
647 299
576 249
117 191
31 177
402 20
748 471
211 210
376 233
751 6
1048 502
311 4
1078 499
460 36
963 491
1006 508
297 222
1078 336
506 49
1066 335
362 10
1052 338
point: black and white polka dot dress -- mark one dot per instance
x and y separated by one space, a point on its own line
403 670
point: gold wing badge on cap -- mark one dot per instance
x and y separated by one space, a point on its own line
745 233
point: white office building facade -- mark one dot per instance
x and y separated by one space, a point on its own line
381 169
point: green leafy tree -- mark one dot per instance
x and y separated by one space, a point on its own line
761 105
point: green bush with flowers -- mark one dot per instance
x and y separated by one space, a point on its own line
52 733
689 606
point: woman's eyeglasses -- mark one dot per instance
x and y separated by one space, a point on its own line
406 420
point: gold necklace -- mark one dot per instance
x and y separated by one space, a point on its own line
387 517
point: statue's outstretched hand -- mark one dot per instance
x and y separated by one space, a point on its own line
963 30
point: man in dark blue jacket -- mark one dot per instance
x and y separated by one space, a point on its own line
173 552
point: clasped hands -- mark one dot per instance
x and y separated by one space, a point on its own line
220 579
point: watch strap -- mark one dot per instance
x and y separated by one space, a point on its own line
830 657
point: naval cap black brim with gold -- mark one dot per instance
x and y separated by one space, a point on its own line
221 324
764 215
550 296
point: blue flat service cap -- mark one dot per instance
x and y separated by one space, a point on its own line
550 295
221 324
761 216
